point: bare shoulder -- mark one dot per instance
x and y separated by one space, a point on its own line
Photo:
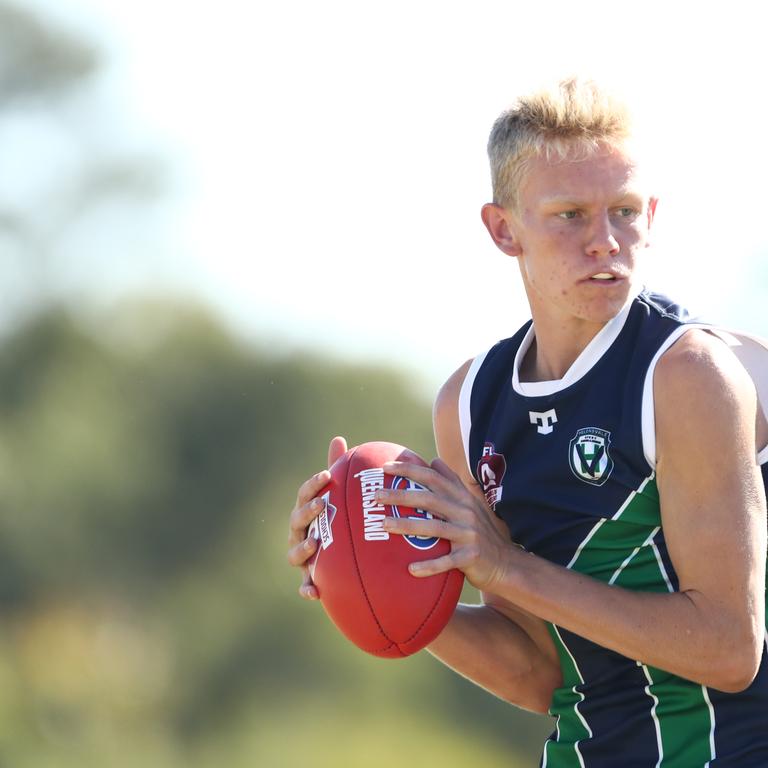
447 399
447 426
701 367
703 395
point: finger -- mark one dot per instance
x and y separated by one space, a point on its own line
336 450
422 527
415 499
301 552
310 488
307 589
301 518
423 568
408 497
423 475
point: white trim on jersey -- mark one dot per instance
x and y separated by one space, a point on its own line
656 723
751 352
576 704
580 367
465 396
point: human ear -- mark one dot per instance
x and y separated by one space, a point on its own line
652 202
498 222
651 213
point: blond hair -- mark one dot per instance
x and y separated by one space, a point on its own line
571 121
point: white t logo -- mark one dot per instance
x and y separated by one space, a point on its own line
544 420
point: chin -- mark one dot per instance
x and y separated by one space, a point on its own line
603 311
608 305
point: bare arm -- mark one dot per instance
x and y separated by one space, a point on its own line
713 512
496 645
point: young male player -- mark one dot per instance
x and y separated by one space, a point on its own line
623 572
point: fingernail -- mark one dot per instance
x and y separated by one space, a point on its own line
317 503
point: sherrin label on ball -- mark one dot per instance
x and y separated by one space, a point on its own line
321 528
325 521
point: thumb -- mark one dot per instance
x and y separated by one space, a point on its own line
336 449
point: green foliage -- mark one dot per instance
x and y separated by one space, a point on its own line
148 462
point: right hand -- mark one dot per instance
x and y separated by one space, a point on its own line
308 506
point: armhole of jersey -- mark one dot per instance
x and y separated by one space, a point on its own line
465 397
736 341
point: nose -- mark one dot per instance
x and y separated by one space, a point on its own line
601 241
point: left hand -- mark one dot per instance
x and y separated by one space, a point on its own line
480 543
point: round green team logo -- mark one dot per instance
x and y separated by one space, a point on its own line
589 457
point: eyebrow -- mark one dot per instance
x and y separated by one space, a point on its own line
628 195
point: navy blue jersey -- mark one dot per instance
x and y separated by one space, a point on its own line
569 466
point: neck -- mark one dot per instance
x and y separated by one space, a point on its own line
555 348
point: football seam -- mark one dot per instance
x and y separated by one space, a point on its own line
429 615
359 575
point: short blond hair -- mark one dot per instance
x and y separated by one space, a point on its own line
571 120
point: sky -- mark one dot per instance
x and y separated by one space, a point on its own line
329 158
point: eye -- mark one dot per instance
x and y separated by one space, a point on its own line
568 214
627 212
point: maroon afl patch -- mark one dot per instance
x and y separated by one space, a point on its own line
490 472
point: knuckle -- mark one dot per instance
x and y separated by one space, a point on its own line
309 487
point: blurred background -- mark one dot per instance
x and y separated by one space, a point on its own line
230 231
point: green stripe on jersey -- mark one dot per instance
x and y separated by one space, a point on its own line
571 726
615 541
683 716
621 550
681 709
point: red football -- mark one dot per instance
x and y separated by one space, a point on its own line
361 571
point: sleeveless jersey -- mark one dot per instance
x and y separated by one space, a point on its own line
568 465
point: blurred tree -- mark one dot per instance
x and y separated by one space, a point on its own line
36 61
44 69
147 465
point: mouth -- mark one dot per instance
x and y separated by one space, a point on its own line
604 278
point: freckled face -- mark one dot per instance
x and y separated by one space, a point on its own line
580 226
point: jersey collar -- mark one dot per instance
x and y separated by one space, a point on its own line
580 367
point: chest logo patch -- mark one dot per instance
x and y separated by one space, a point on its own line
544 420
490 472
589 455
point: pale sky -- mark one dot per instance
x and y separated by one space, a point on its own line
332 156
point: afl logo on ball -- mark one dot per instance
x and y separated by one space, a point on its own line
589 457
404 484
